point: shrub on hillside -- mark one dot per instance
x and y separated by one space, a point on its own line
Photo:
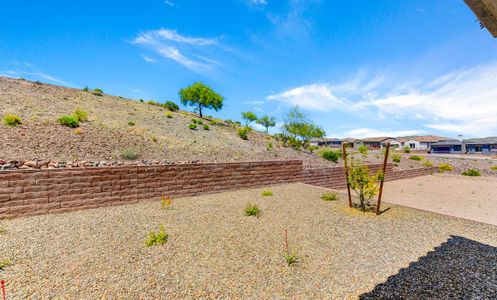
5 263
12 120
97 92
427 163
416 158
396 158
471 172
80 115
192 126
68 121
129 154
407 149
86 89
206 127
131 123
168 114
445 168
243 132
170 105
331 155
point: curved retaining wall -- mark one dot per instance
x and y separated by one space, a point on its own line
35 192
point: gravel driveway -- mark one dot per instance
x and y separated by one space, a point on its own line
214 251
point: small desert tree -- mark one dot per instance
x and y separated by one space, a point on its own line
298 127
364 184
201 96
249 117
267 122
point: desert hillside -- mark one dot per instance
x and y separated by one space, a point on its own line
118 125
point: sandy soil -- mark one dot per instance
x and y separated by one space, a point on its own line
471 198
214 251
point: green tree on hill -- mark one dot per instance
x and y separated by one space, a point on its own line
201 96
298 127
267 122
249 117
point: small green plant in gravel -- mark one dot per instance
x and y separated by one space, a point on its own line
159 238
407 149
252 210
471 172
192 126
493 168
166 202
269 146
427 163
129 154
266 193
445 168
131 123
331 155
290 255
154 139
5 263
170 105
206 127
364 184
396 158
416 158
168 114
329 196
243 132
68 121
80 115
12 120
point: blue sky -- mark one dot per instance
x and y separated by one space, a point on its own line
357 68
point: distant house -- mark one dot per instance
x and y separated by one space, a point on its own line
351 142
486 145
452 146
420 142
327 142
379 142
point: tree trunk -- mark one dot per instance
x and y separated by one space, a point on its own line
200 110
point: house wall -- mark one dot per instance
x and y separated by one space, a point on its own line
35 192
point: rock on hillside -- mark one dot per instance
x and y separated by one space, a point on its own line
108 132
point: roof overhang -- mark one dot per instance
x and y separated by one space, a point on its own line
486 11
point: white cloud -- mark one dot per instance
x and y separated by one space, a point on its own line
149 59
313 96
256 102
258 2
369 132
37 75
169 3
182 49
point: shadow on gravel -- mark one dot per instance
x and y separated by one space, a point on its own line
457 269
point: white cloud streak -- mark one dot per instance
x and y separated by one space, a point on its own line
369 132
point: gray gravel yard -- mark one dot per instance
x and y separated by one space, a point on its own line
214 251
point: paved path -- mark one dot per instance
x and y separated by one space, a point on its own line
473 198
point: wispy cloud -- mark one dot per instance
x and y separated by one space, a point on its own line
294 22
369 132
184 50
256 102
169 3
149 59
258 2
462 101
36 75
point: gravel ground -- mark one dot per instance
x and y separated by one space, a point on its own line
460 196
214 251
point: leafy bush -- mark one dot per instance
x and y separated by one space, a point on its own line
427 163
129 154
416 158
364 184
12 120
396 158
331 155
249 117
471 172
493 168
201 96
194 121
80 115
141 100
168 114
252 210
97 92
86 89
170 105
152 102
158 238
131 123
154 139
166 202
243 132
269 146
329 196
407 149
266 193
5 263
301 130
206 127
192 126
68 121
445 168
216 122
363 150
200 122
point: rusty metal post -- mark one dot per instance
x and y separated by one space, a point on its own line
383 178
344 156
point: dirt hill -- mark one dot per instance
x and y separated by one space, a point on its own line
110 131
